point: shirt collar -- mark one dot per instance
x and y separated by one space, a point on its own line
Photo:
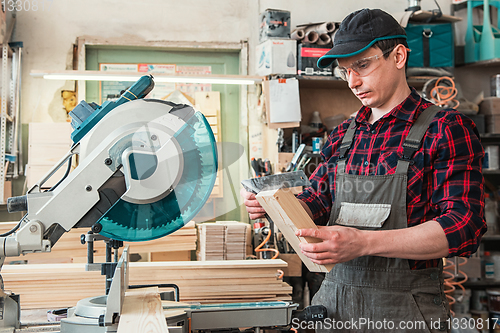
406 111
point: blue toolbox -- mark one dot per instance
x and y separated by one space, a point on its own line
431 45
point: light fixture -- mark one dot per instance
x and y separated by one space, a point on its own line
132 77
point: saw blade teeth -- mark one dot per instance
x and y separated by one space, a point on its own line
179 206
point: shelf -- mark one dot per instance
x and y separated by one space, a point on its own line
321 82
483 63
491 237
481 283
313 155
332 82
491 172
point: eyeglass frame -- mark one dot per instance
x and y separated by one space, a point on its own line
376 56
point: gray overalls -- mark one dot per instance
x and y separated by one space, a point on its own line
377 288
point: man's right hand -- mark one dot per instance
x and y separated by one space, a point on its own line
254 208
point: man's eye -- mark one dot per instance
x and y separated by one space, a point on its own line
363 64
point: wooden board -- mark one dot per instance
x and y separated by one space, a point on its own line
171 256
294 264
208 102
46 154
62 285
69 248
34 173
50 133
289 215
142 312
47 144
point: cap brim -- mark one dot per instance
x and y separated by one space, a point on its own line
348 50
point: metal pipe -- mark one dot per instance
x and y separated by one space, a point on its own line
18 169
90 249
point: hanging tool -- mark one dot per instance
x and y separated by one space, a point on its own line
256 166
295 158
261 167
268 169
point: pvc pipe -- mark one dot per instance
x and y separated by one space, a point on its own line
324 39
311 37
298 34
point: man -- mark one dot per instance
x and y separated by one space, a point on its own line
399 188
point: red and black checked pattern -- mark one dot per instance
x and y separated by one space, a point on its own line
445 183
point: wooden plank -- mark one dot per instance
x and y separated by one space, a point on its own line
63 285
46 154
50 133
35 172
208 102
289 215
171 256
294 264
142 312
69 248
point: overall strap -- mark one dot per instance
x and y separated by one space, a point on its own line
345 146
414 138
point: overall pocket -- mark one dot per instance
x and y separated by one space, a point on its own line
363 215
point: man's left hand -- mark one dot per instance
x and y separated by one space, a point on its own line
340 244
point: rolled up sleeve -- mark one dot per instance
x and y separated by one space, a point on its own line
458 193
317 196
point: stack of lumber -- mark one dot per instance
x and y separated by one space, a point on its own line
69 249
59 285
211 241
235 239
223 240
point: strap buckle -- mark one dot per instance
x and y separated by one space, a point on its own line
407 159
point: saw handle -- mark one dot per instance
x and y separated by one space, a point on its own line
164 285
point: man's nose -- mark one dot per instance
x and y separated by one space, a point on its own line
353 79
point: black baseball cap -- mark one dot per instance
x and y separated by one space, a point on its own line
359 31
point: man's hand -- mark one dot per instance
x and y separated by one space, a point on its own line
254 208
340 244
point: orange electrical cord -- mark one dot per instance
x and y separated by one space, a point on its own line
281 274
259 248
444 94
450 283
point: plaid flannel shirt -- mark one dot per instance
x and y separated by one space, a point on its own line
445 183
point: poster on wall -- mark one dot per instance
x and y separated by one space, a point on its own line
191 88
111 90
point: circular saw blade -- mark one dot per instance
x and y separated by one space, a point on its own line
139 222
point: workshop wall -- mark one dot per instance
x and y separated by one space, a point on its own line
48 35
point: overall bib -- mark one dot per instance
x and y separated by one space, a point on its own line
383 293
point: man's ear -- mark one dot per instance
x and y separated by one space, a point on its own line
400 56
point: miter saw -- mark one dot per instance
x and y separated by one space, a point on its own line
145 169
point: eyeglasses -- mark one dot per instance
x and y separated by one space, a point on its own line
362 67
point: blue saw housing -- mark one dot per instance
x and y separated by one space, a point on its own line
85 116
128 221
141 222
